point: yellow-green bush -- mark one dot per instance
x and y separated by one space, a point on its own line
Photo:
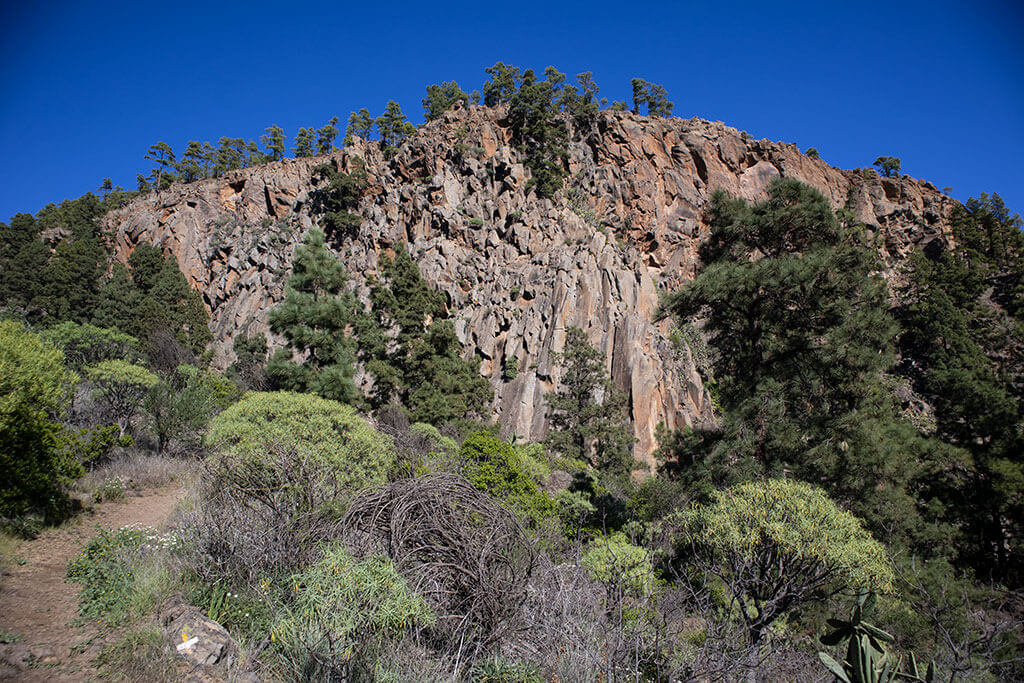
776 544
495 467
796 522
438 442
615 561
314 428
345 613
122 386
282 468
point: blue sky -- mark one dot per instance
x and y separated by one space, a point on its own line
86 88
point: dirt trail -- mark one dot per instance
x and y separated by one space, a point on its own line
38 605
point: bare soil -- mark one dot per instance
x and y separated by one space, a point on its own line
37 606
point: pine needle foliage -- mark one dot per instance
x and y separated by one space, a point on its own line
800 334
314 319
412 351
347 614
588 413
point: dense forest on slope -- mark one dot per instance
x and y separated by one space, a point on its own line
357 515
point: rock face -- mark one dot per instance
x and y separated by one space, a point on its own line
517 270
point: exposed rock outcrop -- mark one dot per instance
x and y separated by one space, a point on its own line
517 270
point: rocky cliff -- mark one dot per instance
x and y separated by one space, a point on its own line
517 270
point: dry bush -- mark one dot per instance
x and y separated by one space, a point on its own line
251 520
579 630
136 469
416 452
567 634
457 548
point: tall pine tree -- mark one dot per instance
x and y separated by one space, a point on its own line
413 352
798 324
588 413
315 318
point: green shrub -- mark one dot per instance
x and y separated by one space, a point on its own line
85 344
776 544
105 568
91 446
495 467
32 391
248 613
181 406
575 510
439 443
324 431
501 670
620 565
122 386
109 569
656 497
282 468
345 613
534 460
511 369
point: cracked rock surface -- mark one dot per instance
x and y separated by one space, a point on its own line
517 270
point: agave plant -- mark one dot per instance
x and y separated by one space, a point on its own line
867 658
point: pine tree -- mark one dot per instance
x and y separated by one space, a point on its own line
393 126
503 84
315 318
413 352
273 140
145 263
163 155
22 257
441 98
360 124
338 202
151 298
325 137
117 301
654 96
888 166
232 154
70 281
962 352
639 86
539 132
580 103
798 325
193 164
304 143
588 413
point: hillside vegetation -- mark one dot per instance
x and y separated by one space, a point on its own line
360 515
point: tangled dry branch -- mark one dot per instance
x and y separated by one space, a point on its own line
463 552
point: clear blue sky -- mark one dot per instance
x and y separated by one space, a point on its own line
87 87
